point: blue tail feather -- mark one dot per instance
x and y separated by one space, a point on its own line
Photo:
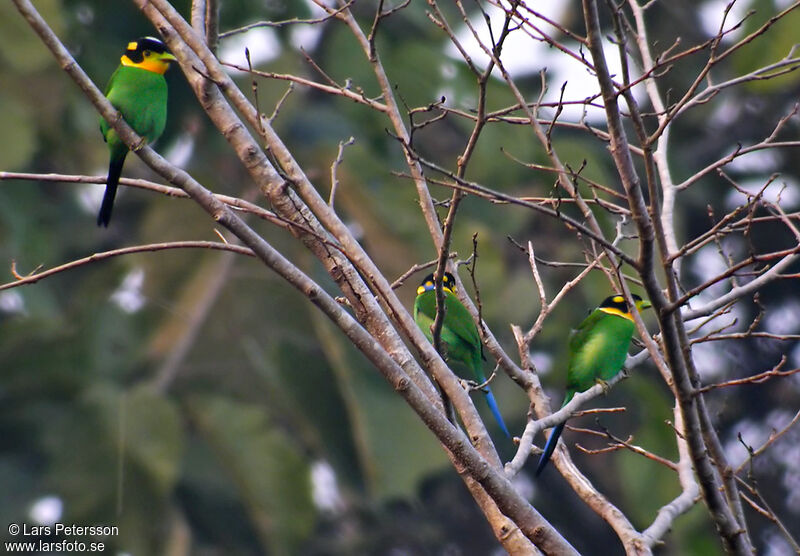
549 448
496 411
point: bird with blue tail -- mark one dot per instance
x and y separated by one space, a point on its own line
597 350
459 337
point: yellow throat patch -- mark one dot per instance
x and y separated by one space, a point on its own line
617 312
152 63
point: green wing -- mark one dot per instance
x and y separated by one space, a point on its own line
104 127
458 321
579 335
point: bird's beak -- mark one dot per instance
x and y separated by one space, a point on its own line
644 304
167 57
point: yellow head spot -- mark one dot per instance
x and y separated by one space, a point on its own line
133 45
619 299
430 285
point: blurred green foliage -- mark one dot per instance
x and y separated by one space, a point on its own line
222 455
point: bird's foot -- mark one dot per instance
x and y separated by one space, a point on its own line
484 386
604 385
139 145
469 385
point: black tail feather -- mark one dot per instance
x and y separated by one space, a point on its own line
114 172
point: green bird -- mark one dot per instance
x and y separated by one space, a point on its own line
139 91
597 351
459 334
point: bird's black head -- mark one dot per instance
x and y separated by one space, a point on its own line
148 53
448 283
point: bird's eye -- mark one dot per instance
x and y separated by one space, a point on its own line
146 53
